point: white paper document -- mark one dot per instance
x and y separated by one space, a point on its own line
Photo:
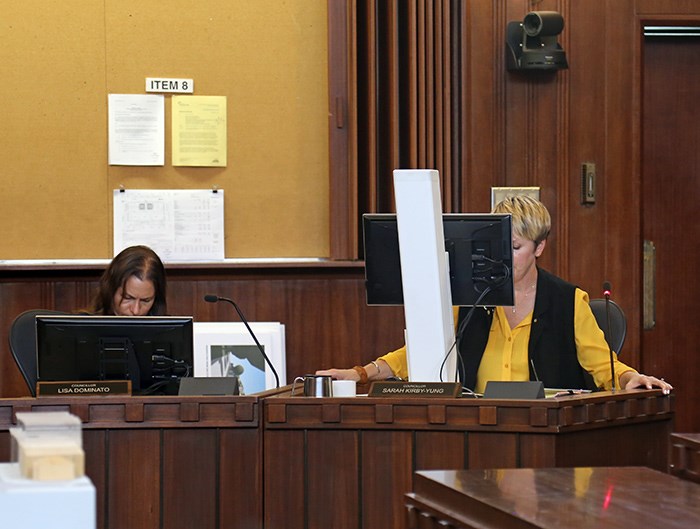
136 129
199 131
178 224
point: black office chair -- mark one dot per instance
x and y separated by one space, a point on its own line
618 323
23 344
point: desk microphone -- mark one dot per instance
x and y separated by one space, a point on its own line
606 293
211 298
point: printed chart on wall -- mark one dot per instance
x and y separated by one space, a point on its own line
179 224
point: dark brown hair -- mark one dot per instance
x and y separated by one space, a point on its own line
139 261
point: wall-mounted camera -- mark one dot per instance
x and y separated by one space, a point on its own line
532 44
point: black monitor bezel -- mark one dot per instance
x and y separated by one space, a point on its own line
383 283
67 364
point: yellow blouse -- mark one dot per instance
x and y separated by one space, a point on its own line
505 356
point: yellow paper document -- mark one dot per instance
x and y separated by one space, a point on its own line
199 131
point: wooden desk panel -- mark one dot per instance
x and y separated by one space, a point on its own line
330 462
685 455
549 498
175 462
214 462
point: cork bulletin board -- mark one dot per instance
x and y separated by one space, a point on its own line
61 60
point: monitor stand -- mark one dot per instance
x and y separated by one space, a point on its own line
430 331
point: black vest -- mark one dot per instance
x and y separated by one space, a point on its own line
552 347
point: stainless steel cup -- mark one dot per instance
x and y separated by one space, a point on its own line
316 385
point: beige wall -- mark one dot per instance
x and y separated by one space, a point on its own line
60 60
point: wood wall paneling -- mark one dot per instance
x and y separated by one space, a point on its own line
327 321
666 8
482 118
669 192
618 183
342 129
55 291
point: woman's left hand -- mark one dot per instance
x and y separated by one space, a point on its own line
632 379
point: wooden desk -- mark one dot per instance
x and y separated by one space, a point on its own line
347 462
170 462
685 456
552 498
216 462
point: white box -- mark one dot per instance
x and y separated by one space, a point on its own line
33 504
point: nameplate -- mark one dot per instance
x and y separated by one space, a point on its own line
83 388
496 389
209 386
415 389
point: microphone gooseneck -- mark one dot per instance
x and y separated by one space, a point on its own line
606 292
211 298
534 371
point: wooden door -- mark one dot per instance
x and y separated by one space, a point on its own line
671 216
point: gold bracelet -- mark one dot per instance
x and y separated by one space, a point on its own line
363 374
376 365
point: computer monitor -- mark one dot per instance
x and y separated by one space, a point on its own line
154 352
480 249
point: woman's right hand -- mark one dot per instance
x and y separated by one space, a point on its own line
340 374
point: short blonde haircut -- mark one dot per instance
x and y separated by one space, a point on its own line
531 219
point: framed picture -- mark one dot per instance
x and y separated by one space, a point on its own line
226 349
